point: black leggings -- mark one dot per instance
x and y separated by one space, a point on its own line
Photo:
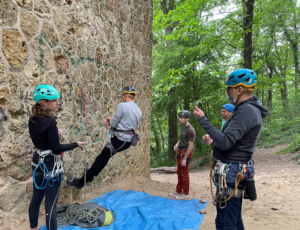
51 194
103 158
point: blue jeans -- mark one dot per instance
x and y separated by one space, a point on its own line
230 218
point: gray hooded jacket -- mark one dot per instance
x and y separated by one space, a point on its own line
237 140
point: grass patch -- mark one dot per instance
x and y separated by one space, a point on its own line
293 147
297 158
278 132
201 161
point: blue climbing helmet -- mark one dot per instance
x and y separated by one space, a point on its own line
229 107
243 77
46 92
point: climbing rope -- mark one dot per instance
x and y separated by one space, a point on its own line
77 212
86 96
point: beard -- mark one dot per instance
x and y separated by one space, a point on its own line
232 99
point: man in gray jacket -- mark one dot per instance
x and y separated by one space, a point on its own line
123 124
235 144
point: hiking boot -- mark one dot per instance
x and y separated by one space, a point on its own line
74 182
182 196
174 194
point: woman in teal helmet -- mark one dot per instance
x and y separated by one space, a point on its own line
46 155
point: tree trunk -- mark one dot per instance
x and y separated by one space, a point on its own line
172 111
248 23
159 127
296 63
270 94
173 138
157 142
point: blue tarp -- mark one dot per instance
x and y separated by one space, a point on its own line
141 211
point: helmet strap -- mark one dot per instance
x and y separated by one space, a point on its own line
48 104
237 96
229 113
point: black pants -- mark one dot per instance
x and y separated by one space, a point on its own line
51 194
103 158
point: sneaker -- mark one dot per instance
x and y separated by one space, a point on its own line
174 194
74 182
182 196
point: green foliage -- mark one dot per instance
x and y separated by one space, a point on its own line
199 42
297 158
294 146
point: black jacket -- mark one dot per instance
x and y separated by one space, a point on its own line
237 140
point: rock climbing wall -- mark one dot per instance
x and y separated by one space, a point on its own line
98 46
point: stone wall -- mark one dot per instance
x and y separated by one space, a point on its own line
99 45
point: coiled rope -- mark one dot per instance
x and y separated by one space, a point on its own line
77 212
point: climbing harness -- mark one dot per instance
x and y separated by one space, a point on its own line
223 193
179 156
48 177
178 159
110 145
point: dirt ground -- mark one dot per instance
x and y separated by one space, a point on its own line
277 184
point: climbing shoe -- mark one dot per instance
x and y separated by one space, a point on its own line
74 182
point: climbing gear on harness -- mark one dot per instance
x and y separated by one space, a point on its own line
223 193
184 114
135 136
115 132
51 176
135 139
179 154
110 145
46 92
249 187
88 215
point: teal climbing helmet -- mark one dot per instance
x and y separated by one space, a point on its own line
46 92
244 77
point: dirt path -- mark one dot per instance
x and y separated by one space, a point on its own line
277 184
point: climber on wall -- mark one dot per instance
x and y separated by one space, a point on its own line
122 134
